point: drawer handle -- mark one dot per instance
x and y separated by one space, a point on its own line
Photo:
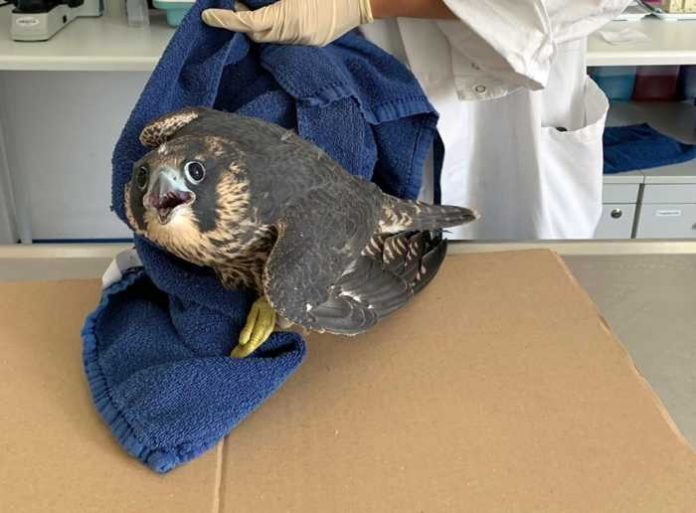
617 213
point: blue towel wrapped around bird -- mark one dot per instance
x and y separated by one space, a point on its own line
156 348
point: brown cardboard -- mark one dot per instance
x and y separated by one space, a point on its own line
56 456
499 389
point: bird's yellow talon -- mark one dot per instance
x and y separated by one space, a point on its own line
258 328
251 322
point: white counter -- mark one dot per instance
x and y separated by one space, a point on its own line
89 44
109 44
670 42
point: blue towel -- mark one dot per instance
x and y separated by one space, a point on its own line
629 148
155 349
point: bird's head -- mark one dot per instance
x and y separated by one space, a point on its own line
166 184
179 191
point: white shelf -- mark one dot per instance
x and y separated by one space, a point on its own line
669 43
109 44
89 44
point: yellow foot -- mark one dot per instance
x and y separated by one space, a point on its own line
259 326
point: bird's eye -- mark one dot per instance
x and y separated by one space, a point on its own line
142 177
195 171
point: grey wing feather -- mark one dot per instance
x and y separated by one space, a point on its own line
378 284
314 248
374 284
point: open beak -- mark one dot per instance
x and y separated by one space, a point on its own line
167 193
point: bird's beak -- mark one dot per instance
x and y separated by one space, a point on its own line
166 193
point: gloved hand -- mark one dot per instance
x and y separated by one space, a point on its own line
304 22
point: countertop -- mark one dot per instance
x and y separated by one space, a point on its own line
669 42
645 291
106 43
109 44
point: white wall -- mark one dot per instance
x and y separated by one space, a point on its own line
60 129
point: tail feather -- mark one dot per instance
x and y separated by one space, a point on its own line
400 215
431 261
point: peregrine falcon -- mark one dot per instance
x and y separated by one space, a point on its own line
271 212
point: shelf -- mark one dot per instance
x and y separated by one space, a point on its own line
89 44
109 44
670 42
675 119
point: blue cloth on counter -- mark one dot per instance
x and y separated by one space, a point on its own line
158 371
629 148
155 349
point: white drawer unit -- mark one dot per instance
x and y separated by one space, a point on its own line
668 206
616 221
670 193
620 193
667 221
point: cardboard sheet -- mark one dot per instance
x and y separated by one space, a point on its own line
499 389
55 453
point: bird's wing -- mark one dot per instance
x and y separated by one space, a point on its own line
379 283
316 244
337 277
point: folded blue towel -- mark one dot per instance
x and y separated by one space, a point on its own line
155 348
628 148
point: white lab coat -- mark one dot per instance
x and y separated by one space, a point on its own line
520 120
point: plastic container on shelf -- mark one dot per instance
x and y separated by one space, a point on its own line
687 83
175 10
617 82
656 83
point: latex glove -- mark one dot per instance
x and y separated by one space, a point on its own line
304 22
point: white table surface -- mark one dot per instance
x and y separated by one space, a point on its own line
109 44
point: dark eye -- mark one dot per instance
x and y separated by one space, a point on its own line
142 177
195 171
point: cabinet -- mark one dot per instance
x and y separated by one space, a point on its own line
655 203
668 205
620 196
667 221
616 221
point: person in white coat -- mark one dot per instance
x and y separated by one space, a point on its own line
520 120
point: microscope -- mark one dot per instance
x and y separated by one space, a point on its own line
39 20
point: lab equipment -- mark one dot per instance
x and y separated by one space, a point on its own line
39 20
673 10
679 6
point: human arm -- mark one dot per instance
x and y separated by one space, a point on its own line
317 22
515 41
425 9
